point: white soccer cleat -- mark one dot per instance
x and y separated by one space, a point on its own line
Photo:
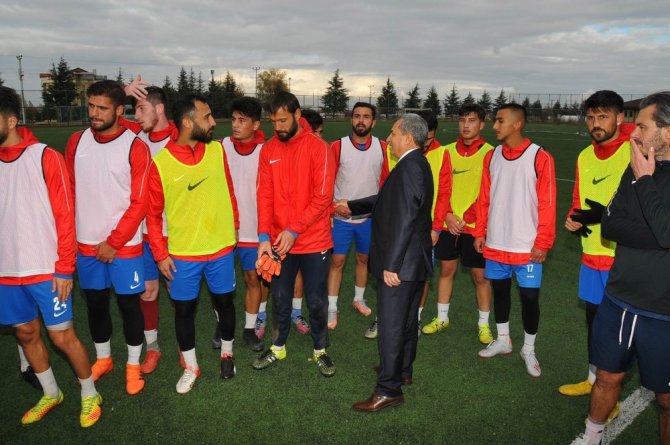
532 365
187 380
497 347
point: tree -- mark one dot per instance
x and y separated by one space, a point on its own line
526 103
433 101
2 82
335 100
500 100
270 82
387 101
485 102
221 94
469 100
413 100
200 84
452 102
182 83
556 109
536 109
119 77
192 84
169 90
60 92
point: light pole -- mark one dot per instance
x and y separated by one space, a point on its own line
256 68
23 109
212 72
289 84
371 87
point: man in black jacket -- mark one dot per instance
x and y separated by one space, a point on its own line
400 257
633 321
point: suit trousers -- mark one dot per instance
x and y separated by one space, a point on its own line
314 267
397 315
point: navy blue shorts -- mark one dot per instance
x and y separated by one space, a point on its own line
620 337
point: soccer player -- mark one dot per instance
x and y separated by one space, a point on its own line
632 323
515 228
242 151
296 175
314 120
190 182
108 166
466 157
358 162
154 128
37 258
597 175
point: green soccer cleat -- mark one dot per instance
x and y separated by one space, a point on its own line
43 406
269 357
435 326
90 410
484 334
324 363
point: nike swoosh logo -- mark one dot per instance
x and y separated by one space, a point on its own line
178 178
135 286
597 181
83 156
191 187
59 314
458 172
272 161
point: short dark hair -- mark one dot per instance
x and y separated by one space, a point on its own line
604 100
185 106
248 106
156 95
313 118
283 99
430 119
662 112
466 109
10 104
517 108
108 88
365 105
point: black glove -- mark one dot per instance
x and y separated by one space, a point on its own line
582 231
589 216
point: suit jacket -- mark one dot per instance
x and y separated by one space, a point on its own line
401 221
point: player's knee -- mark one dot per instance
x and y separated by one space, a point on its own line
27 333
608 380
478 278
448 269
150 291
361 259
251 279
663 402
65 339
337 261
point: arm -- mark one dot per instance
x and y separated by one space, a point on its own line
546 203
484 199
155 209
385 164
140 161
231 189
70 152
443 189
264 200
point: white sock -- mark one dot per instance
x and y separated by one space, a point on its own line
48 382
420 310
332 303
358 293
103 350
592 374
87 387
443 311
190 359
134 353
483 318
318 351
263 306
250 320
151 336
226 347
593 431
503 329
24 361
297 303
529 342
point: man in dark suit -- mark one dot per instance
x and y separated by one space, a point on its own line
400 257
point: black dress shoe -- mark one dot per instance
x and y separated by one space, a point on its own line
377 402
251 340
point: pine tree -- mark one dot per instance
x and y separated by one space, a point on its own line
169 90
119 77
433 101
387 102
485 102
452 102
526 103
500 100
192 83
182 83
413 100
469 100
200 84
335 100
61 92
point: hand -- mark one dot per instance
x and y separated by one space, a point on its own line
137 88
63 286
589 216
166 267
642 166
572 225
264 248
583 231
537 255
479 244
454 224
391 279
105 252
284 242
342 208
434 236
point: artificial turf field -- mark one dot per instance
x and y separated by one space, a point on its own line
456 397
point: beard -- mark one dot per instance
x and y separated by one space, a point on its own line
604 134
361 130
199 134
104 125
285 136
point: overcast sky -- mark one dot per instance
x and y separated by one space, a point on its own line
520 46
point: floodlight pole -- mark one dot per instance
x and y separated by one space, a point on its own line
212 72
23 100
256 68
371 87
